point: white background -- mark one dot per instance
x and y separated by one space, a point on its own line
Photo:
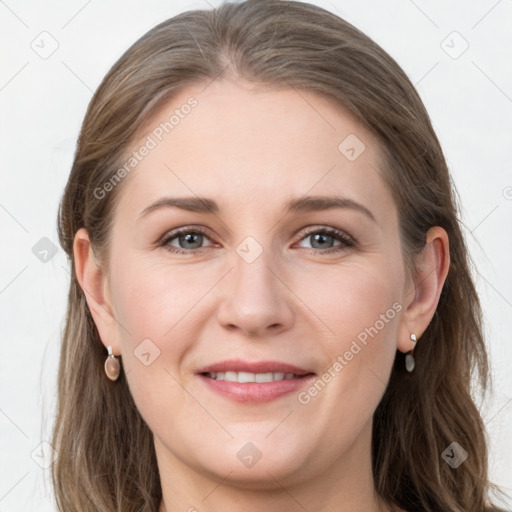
43 102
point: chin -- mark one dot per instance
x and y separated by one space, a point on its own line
259 465
273 474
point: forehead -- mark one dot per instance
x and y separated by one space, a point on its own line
242 144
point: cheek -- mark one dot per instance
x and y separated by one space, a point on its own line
155 300
352 298
360 305
155 307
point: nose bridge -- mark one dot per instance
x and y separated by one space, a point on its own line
251 272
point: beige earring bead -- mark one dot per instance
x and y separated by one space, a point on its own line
112 365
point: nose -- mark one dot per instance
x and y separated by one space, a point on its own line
256 300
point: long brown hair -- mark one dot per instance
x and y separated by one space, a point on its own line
106 458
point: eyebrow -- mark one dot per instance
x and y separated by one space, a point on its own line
299 205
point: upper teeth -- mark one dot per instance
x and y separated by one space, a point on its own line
250 377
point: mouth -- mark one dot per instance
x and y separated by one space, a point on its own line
254 382
246 368
246 377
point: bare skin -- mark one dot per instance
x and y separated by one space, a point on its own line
252 151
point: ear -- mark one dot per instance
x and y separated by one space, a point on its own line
93 281
432 267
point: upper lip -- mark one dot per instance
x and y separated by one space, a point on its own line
238 365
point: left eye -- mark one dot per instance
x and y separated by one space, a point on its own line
322 238
191 240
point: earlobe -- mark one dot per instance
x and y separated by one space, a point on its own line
432 267
92 280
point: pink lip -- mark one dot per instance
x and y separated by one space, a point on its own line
238 365
256 392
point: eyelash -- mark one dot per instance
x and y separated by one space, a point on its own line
339 235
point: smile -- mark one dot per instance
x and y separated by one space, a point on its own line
254 388
244 377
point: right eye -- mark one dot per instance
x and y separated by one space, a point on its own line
189 240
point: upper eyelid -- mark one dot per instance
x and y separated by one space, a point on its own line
184 230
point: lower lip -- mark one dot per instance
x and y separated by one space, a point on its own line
256 392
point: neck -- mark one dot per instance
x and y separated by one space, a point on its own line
345 485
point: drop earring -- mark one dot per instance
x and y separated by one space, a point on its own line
112 365
409 357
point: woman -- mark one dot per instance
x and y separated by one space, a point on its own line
249 371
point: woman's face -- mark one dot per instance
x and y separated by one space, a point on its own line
251 280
